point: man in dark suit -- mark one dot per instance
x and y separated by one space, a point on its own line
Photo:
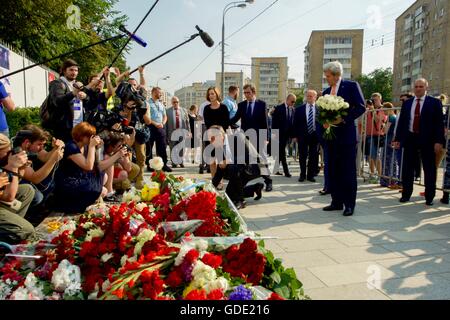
282 119
305 132
253 115
342 149
238 163
421 133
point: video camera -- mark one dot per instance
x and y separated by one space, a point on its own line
126 93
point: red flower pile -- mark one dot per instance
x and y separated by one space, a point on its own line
201 206
245 262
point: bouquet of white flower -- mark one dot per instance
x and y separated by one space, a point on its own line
331 109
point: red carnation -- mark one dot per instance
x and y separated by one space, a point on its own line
212 260
196 295
216 295
275 296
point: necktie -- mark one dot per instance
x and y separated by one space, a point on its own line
311 120
249 110
177 112
416 125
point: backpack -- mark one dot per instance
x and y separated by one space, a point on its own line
47 109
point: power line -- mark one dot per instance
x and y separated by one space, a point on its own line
235 32
256 17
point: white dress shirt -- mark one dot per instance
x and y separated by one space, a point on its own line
413 111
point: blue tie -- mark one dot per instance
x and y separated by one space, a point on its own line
311 120
249 111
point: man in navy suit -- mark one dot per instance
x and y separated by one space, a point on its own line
342 149
305 132
282 119
421 133
253 115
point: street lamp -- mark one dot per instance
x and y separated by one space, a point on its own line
163 79
231 5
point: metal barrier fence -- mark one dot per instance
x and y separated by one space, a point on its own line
378 162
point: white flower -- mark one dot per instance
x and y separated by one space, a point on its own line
106 285
70 226
67 278
220 283
156 163
32 289
145 236
131 196
5 289
94 233
106 257
88 225
141 206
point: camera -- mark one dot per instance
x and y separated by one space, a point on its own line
126 93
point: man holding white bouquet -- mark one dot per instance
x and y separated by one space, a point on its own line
342 103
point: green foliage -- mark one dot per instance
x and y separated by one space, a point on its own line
21 117
280 280
228 214
39 28
380 80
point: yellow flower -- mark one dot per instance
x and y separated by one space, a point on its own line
150 191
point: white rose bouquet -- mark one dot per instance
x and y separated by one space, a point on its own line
331 109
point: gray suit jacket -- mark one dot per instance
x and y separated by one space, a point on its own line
184 121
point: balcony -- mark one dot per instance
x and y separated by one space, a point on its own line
418 44
406 75
406 63
418 57
407 39
416 72
406 51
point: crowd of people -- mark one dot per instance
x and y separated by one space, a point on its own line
96 142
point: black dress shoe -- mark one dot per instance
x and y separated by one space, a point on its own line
174 166
445 201
404 200
167 169
240 205
348 212
333 208
182 165
312 180
258 191
269 187
288 175
324 192
430 203
301 179
278 174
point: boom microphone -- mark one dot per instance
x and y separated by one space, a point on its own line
205 37
133 36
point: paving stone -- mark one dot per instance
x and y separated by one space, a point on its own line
414 249
429 287
360 254
347 292
309 244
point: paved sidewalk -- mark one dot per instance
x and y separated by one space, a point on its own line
404 250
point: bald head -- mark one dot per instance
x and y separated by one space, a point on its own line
311 96
420 87
291 99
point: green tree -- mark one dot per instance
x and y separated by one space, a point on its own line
40 29
380 80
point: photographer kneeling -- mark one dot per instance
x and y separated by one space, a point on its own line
15 199
238 163
41 172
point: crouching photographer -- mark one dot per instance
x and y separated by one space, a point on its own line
135 113
40 172
15 199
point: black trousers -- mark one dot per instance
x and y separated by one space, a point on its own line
282 155
158 137
238 188
308 148
413 152
342 174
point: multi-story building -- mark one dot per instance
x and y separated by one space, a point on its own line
231 79
345 46
194 94
422 47
270 77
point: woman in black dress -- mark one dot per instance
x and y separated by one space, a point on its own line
215 114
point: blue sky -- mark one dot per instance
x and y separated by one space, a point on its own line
283 30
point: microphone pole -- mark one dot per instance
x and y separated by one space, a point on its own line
167 52
63 55
131 35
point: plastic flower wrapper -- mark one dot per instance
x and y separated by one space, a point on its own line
100 209
189 243
31 290
67 279
175 231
